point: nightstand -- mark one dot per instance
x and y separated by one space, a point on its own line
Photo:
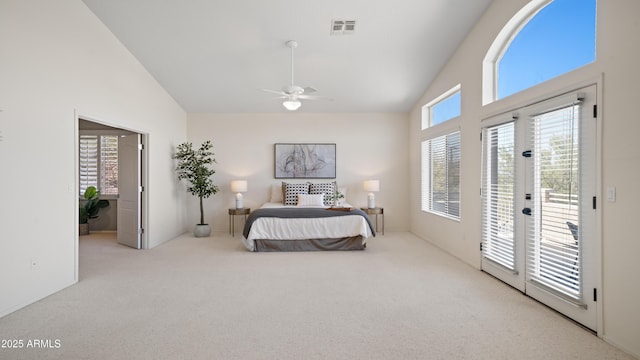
376 211
232 213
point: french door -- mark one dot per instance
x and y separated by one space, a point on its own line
539 205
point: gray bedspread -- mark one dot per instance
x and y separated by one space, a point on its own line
301 213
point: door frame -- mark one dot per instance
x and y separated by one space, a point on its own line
144 203
541 93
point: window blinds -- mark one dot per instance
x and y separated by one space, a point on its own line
498 194
553 232
441 175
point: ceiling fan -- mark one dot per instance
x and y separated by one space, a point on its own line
294 93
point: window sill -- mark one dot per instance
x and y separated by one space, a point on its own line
102 197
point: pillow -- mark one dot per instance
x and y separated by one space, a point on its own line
283 189
311 200
276 193
292 191
328 189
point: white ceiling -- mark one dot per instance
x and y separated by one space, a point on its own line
216 56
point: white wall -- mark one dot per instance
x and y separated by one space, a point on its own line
618 56
368 146
59 62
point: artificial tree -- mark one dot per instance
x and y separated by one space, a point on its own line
194 167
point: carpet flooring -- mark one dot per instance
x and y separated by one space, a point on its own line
208 298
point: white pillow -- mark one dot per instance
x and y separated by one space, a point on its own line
276 193
311 200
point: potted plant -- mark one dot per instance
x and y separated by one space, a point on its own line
90 208
193 166
337 198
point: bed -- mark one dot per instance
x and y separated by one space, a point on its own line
306 221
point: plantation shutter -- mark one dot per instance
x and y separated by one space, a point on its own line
441 175
109 165
553 232
88 162
498 194
99 163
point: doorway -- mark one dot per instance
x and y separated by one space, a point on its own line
538 202
112 159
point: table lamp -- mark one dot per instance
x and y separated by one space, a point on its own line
371 186
238 187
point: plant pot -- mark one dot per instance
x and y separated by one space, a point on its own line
202 230
83 229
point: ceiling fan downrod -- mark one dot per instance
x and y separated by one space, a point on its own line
292 44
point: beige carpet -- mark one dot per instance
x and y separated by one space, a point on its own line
210 299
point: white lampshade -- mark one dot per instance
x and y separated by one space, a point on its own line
372 185
239 186
291 105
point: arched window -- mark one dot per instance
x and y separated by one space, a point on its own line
545 39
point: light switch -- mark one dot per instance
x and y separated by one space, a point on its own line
611 194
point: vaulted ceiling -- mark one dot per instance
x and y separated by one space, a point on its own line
217 56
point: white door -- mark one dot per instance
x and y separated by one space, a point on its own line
539 211
560 185
129 189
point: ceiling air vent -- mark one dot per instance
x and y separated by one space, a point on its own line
343 27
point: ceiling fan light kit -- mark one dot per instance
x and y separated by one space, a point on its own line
293 93
291 105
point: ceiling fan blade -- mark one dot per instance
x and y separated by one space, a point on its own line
314 97
275 92
309 89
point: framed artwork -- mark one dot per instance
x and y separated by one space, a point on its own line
305 161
